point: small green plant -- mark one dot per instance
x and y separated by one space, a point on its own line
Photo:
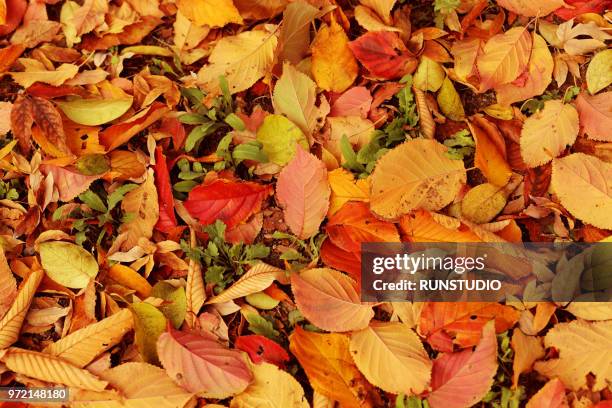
302 252
8 190
224 262
460 145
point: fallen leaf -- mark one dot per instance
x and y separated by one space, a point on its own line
303 192
185 355
68 264
450 102
93 112
429 75
271 387
546 133
345 188
333 65
328 363
167 220
531 9
461 379
595 114
329 299
551 395
423 226
280 138
527 349
228 201
598 74
256 279
294 35
10 324
482 203
383 54
490 156
416 174
149 324
210 13
355 101
583 348
391 356
262 349
142 204
118 134
128 277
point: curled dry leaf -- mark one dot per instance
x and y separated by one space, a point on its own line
256 279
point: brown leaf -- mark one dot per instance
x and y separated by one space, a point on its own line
22 121
48 119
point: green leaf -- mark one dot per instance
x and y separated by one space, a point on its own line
94 112
176 308
149 324
68 264
93 201
251 150
235 122
279 137
193 119
259 325
198 133
350 157
450 102
262 301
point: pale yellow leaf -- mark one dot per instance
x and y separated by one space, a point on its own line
546 133
449 101
599 74
11 322
256 279
416 174
186 34
591 310
68 264
583 348
429 75
482 203
83 346
143 205
582 183
212 13
51 369
271 387
243 59
391 356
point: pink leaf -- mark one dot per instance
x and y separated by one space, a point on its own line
202 364
460 380
354 102
596 115
303 191
261 348
552 395
167 219
69 183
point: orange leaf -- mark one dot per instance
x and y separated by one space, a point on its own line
327 361
596 115
423 226
490 155
118 134
462 322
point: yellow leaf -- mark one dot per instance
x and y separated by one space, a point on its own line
36 72
449 101
527 349
93 112
51 369
591 310
212 13
2 12
582 183
381 7
84 345
599 74
256 279
482 203
333 65
149 324
68 264
243 59
429 75
415 174
128 277
583 348
391 356
11 322
143 205
504 57
328 363
344 188
186 34
546 133
529 8
271 387
8 284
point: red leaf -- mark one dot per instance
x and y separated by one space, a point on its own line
174 128
228 201
15 11
383 54
261 348
581 7
167 219
459 380
48 92
337 258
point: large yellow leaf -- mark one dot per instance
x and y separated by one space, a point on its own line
51 369
213 13
591 310
530 8
68 264
583 348
82 346
243 59
539 75
143 206
329 299
258 278
327 361
415 174
11 322
333 65
271 387
546 133
504 57
391 356
582 183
